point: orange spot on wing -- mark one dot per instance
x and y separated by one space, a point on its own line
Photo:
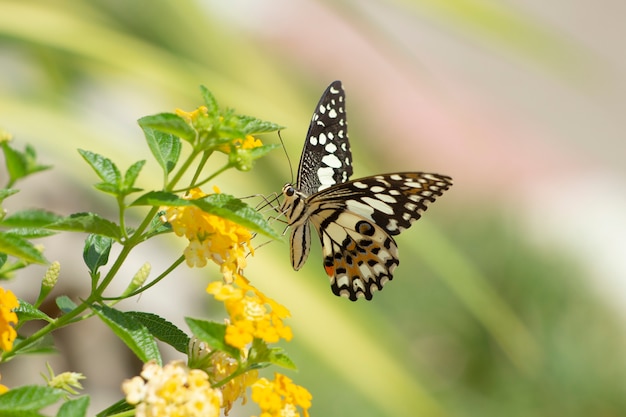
330 270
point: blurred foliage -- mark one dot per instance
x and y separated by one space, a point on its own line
478 322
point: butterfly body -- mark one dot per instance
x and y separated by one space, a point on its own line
355 220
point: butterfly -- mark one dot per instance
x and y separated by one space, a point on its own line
355 220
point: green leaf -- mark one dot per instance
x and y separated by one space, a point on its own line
30 218
209 101
237 211
117 408
251 125
130 177
7 192
29 398
30 233
108 188
21 248
41 346
261 355
74 408
104 167
96 252
164 146
163 330
213 334
21 164
168 123
65 304
160 198
88 223
26 312
278 357
134 334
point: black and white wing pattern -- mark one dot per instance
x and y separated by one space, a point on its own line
326 159
355 220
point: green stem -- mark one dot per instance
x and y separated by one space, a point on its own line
151 284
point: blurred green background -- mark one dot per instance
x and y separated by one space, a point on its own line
509 299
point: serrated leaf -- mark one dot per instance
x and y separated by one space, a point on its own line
212 333
209 101
134 334
20 164
30 218
26 311
131 174
168 123
65 304
28 398
88 223
164 146
160 198
96 251
250 125
163 330
20 248
74 408
103 166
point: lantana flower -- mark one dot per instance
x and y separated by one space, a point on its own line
8 318
252 314
210 237
281 397
172 390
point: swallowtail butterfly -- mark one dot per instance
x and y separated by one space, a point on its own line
355 220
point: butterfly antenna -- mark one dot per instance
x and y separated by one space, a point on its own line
287 155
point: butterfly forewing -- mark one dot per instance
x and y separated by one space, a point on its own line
355 220
326 159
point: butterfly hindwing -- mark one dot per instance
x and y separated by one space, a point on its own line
359 256
326 158
356 222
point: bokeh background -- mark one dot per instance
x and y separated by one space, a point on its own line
510 296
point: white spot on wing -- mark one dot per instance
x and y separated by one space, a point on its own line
360 208
378 205
386 198
325 175
332 161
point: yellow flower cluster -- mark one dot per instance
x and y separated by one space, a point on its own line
192 116
252 314
172 390
281 397
8 302
210 237
249 142
223 366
